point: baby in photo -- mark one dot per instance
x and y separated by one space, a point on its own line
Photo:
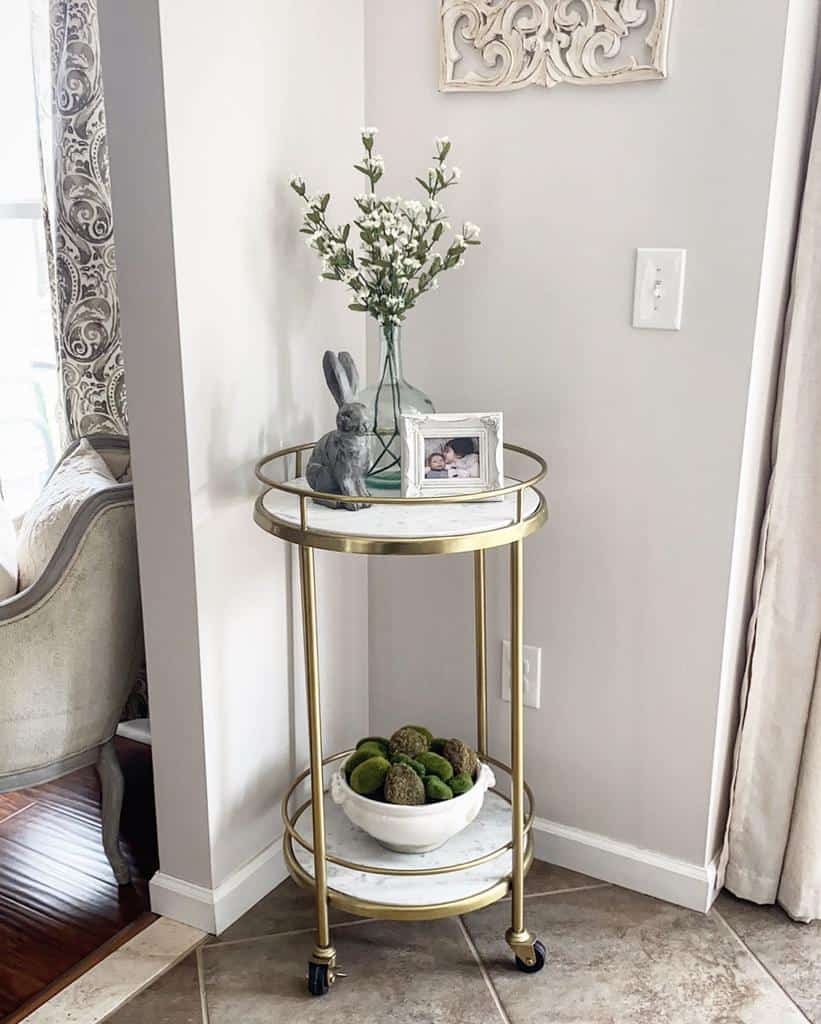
436 468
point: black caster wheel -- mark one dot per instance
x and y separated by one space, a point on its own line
317 979
541 955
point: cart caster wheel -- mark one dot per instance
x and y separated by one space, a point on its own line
541 955
317 979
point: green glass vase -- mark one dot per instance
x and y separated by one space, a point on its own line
389 398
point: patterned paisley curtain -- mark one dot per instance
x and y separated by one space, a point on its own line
79 228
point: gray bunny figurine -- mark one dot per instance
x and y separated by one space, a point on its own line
340 459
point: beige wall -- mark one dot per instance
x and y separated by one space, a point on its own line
627 586
231 370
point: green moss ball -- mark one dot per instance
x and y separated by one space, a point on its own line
408 741
369 776
435 764
356 758
403 786
417 766
437 790
460 784
375 744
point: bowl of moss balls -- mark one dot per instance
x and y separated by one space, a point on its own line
411 792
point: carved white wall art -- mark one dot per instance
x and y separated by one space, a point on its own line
515 43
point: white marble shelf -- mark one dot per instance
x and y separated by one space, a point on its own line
397 521
490 830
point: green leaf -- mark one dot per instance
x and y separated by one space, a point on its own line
330 277
358 307
437 232
325 200
345 232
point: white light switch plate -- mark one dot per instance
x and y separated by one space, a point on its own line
658 301
531 674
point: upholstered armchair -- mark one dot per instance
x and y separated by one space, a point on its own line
70 647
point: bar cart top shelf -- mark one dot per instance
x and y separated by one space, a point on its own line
432 524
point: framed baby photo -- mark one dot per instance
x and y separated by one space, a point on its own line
451 453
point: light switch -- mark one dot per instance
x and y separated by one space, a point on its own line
658 301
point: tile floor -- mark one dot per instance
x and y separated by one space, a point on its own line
614 957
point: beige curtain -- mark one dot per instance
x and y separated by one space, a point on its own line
773 845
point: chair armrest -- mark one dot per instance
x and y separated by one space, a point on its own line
24 601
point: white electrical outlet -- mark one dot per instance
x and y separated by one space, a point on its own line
531 674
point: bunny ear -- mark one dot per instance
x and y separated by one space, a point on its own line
335 376
349 366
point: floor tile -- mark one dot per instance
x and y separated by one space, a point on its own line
107 987
172 999
401 972
791 952
616 957
288 908
544 877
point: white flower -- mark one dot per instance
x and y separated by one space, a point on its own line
434 283
315 201
445 224
470 231
368 133
297 182
461 263
375 162
455 173
459 240
441 142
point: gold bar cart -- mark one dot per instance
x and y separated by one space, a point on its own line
452 524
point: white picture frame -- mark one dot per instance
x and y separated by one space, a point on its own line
455 475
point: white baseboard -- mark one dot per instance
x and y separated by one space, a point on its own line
214 910
689 885
655 874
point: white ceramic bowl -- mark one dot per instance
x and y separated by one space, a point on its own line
412 829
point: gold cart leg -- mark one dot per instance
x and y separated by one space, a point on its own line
324 954
479 592
530 954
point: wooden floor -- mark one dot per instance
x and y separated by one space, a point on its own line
58 898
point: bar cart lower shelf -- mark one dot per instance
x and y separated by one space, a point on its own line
324 851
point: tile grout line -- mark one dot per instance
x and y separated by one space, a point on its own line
368 920
278 935
201 985
494 995
560 892
759 962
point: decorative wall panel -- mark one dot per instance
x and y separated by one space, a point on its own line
509 44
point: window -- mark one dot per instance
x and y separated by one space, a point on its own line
29 394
